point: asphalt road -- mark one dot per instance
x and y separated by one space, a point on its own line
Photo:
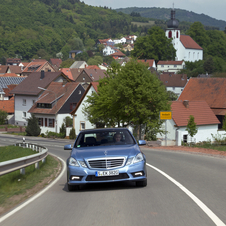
183 189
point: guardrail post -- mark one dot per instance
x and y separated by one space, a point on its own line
44 160
37 165
22 171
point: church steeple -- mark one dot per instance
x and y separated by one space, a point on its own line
173 23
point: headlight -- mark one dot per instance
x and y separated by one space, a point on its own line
138 158
82 163
129 161
73 162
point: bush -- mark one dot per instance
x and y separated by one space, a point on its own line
32 129
63 131
72 134
3 117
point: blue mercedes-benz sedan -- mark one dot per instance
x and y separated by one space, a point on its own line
105 155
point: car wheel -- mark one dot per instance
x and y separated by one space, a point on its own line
142 183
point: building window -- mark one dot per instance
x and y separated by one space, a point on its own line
175 65
40 121
82 125
24 102
72 106
24 114
83 78
79 92
51 122
185 138
170 34
162 65
173 88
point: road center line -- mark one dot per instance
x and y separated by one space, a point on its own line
209 213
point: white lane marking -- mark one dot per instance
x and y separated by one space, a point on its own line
209 212
37 195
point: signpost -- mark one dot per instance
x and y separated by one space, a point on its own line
165 115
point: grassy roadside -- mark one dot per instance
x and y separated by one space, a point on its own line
15 187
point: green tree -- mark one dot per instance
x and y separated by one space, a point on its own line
130 95
3 117
68 121
67 63
198 33
155 45
72 134
32 129
172 96
191 126
63 130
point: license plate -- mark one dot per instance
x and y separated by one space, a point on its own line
107 173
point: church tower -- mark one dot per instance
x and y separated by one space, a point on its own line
172 30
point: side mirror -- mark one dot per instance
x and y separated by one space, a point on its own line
142 142
68 147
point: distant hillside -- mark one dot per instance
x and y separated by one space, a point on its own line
181 15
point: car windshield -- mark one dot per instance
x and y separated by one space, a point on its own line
104 138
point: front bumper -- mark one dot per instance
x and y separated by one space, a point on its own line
80 175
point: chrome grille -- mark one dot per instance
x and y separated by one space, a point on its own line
106 163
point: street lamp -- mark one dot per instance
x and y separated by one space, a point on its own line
55 99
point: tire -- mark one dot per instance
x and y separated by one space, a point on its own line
142 183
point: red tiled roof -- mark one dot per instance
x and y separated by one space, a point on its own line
7 90
3 69
170 62
9 75
60 91
173 80
202 113
211 90
7 105
15 69
67 71
189 43
150 62
55 61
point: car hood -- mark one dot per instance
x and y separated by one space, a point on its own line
105 151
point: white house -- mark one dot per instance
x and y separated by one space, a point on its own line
108 50
174 82
186 48
205 119
27 92
170 66
55 104
80 121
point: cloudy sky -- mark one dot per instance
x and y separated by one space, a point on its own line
212 8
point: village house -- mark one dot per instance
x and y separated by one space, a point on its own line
170 66
205 119
211 90
28 92
80 121
55 104
174 82
79 64
38 65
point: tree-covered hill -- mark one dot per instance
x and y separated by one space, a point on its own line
181 15
43 28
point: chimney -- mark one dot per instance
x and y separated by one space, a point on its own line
42 75
186 103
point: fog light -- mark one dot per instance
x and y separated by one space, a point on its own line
138 174
75 178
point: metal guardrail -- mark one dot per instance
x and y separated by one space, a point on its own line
21 163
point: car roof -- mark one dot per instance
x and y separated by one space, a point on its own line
103 129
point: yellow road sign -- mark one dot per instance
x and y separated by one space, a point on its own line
165 115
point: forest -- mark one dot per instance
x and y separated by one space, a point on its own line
51 28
